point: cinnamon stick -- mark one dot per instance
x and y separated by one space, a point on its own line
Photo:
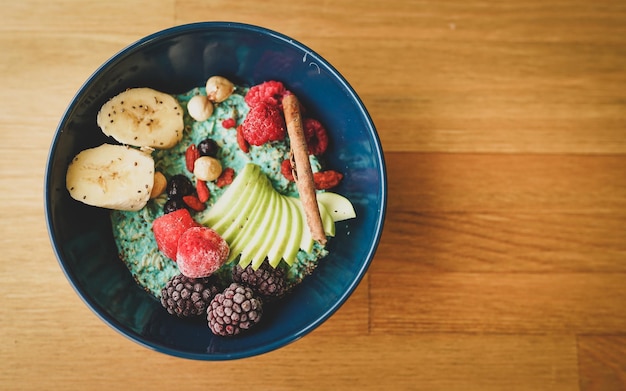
303 174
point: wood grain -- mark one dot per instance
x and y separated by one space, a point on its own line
602 362
501 264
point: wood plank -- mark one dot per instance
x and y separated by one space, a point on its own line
135 16
505 183
422 242
510 303
527 20
486 77
433 362
602 362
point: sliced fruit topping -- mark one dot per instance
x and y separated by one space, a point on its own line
259 223
111 176
338 206
201 252
142 117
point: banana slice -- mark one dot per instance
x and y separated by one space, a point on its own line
142 117
111 176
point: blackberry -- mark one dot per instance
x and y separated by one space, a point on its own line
188 297
267 281
235 310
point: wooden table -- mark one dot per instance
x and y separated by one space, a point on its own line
503 261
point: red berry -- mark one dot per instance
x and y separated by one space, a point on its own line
191 155
201 251
229 123
194 203
270 92
285 169
168 229
226 177
263 123
325 180
202 190
316 136
243 144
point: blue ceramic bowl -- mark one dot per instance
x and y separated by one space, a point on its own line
176 60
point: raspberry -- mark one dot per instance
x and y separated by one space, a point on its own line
316 136
270 92
169 228
201 251
263 123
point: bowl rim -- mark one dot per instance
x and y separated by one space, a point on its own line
184 29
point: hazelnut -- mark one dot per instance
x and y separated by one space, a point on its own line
200 108
160 183
207 168
218 88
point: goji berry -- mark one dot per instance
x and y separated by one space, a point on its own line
191 155
229 123
194 203
202 190
325 180
226 177
285 169
243 144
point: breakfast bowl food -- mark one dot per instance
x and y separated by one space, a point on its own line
215 191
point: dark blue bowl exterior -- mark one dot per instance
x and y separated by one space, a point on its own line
176 60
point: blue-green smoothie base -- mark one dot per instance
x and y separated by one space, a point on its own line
133 230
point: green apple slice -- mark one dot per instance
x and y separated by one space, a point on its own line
295 235
279 245
327 220
261 234
224 205
237 210
306 241
339 207
251 226
270 235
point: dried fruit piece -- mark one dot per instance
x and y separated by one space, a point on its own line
191 155
226 177
325 180
286 170
202 190
229 123
194 203
241 141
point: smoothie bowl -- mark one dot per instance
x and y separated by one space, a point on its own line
215 191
